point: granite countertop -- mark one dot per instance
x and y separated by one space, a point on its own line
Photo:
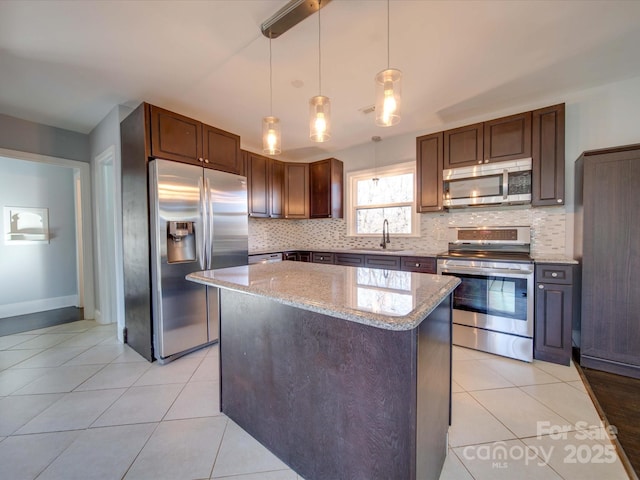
359 250
549 258
391 300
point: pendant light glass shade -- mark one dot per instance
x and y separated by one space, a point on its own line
271 136
388 97
388 90
320 118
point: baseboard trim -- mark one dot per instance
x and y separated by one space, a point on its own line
34 306
610 366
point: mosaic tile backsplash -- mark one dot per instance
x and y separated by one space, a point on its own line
547 231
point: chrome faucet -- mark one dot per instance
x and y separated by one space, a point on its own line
385 234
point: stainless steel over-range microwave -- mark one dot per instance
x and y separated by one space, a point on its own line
502 183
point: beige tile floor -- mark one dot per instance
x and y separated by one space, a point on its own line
76 404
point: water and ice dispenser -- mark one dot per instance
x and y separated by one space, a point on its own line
181 242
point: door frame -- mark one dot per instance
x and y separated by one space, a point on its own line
84 236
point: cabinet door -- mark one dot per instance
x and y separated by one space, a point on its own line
429 154
464 146
221 150
296 190
326 188
507 138
277 189
553 317
175 137
258 184
548 156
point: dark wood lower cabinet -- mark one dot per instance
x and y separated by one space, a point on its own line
556 304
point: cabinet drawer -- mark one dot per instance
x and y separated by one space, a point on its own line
321 257
555 273
387 262
292 256
352 259
304 256
419 264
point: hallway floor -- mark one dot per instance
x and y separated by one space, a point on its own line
76 404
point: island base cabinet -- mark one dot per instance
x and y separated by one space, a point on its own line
335 399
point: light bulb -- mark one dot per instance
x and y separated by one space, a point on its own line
321 123
389 105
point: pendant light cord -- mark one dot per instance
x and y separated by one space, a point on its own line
388 36
270 82
319 52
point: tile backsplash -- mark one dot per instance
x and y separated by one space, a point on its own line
547 231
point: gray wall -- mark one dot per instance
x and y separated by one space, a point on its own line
24 136
38 271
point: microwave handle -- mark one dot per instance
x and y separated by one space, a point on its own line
505 183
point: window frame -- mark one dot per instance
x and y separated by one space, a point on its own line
351 198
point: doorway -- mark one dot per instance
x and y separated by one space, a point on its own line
83 233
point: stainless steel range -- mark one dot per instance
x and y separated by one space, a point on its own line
493 306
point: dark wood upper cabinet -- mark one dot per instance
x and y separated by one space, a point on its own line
175 137
258 185
277 189
183 139
464 146
507 138
265 177
429 152
548 156
221 150
326 188
296 190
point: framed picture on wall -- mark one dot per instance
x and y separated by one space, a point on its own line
25 225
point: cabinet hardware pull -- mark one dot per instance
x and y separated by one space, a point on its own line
554 274
200 159
206 160
486 160
479 161
559 200
540 286
417 264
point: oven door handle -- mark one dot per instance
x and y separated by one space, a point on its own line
489 272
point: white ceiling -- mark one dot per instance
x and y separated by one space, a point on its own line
67 63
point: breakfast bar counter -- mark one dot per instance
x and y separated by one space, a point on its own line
342 372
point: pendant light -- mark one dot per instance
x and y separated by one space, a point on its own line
388 91
271 134
319 106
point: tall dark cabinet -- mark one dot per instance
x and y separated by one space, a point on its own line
608 242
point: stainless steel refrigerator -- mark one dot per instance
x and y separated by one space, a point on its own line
198 221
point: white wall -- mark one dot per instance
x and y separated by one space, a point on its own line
39 276
104 136
599 117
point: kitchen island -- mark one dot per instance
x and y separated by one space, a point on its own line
342 372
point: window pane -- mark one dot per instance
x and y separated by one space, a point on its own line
390 189
369 220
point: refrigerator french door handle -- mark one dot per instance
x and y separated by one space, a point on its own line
202 228
210 224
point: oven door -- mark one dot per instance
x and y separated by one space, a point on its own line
493 298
